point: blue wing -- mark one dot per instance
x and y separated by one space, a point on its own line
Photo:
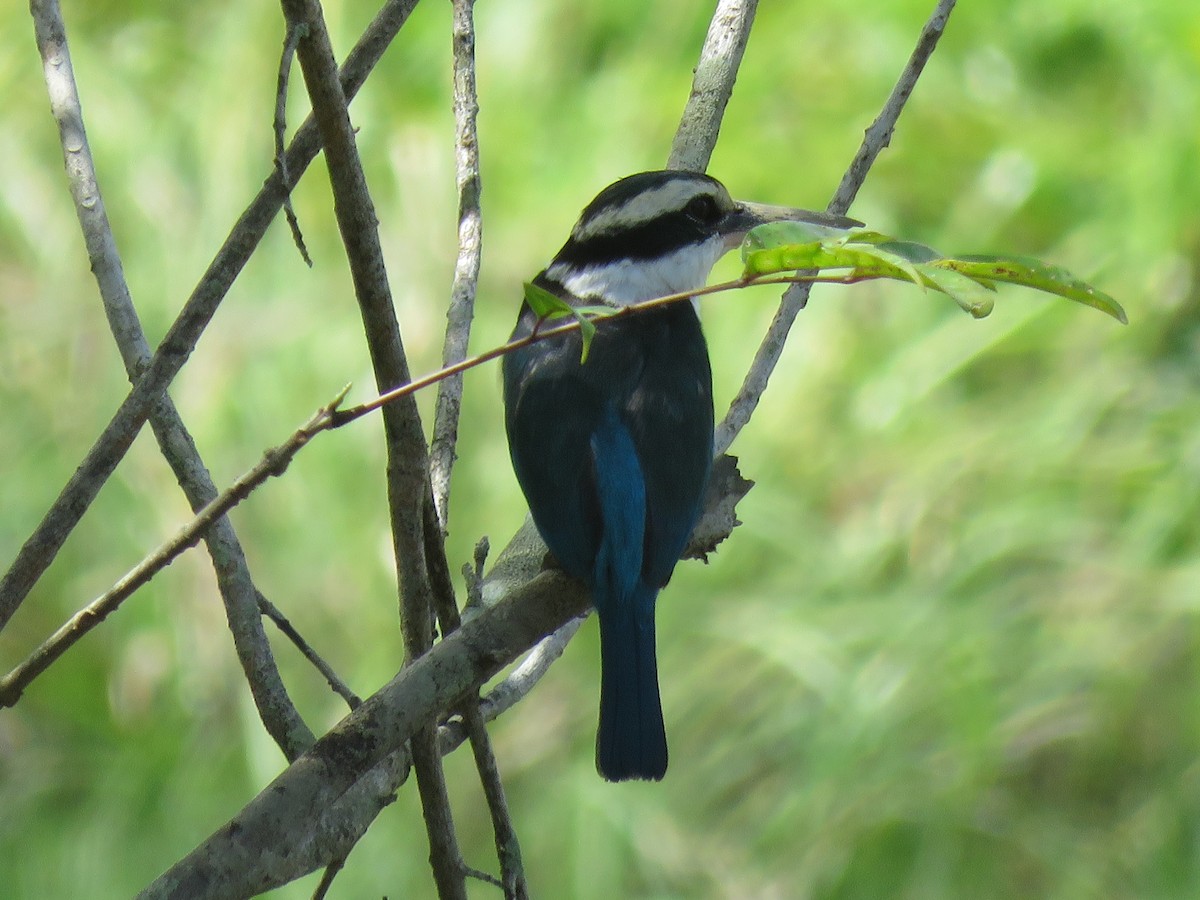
613 457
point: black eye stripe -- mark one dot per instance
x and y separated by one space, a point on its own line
647 241
646 216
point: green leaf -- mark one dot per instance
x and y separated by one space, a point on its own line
973 296
587 331
1036 274
545 304
910 250
866 261
779 234
549 306
894 265
970 280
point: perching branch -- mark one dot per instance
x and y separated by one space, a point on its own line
252 853
238 860
877 136
271 841
277 459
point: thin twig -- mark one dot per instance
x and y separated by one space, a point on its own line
470 247
279 715
254 851
339 687
712 84
517 684
508 848
445 858
110 447
326 882
480 875
274 462
279 128
343 416
877 136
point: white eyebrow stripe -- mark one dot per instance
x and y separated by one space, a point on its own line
641 208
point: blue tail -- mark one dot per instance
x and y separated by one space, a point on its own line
631 741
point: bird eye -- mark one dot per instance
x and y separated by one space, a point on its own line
702 210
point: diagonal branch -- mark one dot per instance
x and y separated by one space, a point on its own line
407 456
271 841
235 861
712 84
877 136
276 459
273 463
470 247
110 447
238 592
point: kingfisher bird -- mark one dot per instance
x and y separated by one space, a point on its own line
613 452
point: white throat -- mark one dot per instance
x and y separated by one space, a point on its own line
629 281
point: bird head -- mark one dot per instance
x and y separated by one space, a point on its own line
659 233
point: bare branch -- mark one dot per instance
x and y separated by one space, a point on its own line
508 848
238 592
445 858
794 298
407 469
234 861
277 459
712 84
339 687
879 134
445 424
273 463
470 248
330 873
517 684
110 447
315 810
279 129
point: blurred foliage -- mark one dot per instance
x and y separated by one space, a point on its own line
951 652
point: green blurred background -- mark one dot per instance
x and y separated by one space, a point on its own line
953 650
